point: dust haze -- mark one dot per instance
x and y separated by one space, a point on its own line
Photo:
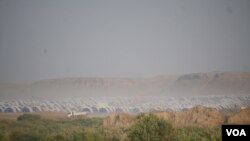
130 56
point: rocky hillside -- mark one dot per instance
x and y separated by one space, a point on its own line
242 117
196 116
214 83
199 115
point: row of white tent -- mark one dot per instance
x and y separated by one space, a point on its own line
11 109
108 109
107 105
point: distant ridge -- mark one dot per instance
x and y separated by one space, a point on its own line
214 83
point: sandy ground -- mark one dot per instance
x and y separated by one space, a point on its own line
12 116
48 115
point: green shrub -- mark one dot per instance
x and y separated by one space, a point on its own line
197 133
89 122
29 117
112 134
22 134
2 137
93 136
79 137
150 128
26 137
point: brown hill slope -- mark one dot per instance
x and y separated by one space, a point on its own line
199 116
196 116
241 117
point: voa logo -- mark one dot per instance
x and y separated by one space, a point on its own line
236 132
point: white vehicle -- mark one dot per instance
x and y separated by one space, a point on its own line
74 114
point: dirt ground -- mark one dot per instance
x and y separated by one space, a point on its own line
47 115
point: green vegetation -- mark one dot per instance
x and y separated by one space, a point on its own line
145 127
150 128
33 128
28 117
197 134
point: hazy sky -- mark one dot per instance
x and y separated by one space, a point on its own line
132 38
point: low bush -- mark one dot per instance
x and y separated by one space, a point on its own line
26 137
150 128
197 134
29 117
